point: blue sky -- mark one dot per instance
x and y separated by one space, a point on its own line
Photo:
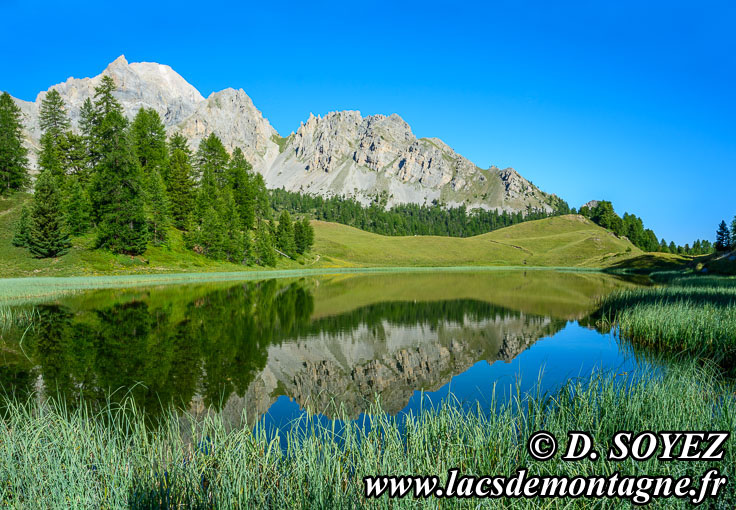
614 100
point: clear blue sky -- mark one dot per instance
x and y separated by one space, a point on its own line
613 100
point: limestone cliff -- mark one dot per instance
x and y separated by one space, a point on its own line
342 153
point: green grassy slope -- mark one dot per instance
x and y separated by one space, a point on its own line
564 241
82 260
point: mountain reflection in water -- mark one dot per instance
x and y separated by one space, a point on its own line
325 343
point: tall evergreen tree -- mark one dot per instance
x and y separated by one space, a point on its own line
212 162
264 250
723 237
733 233
48 236
180 183
285 234
158 208
308 230
117 189
243 186
76 208
13 155
22 228
53 117
149 141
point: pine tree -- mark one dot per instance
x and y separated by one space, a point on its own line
149 141
22 228
285 234
158 208
76 208
264 249
733 233
53 118
233 245
212 162
13 155
241 182
117 189
723 237
180 184
48 236
308 234
299 237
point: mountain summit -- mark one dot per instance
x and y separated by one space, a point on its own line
342 153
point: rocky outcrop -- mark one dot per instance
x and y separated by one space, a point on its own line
342 153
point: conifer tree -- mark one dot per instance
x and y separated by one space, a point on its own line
264 249
180 184
723 237
233 242
13 155
308 230
22 228
149 141
212 162
285 234
76 208
158 208
53 118
117 189
240 179
48 236
299 237
733 233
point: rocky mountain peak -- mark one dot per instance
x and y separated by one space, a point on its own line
340 153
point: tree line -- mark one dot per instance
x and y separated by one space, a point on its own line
405 219
130 185
632 227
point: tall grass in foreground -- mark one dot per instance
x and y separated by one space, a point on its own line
695 315
51 457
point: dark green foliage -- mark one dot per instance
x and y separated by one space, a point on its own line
13 155
723 237
22 228
157 202
52 115
149 141
265 254
243 185
72 151
212 162
285 234
180 184
117 190
733 233
303 235
76 208
48 236
403 219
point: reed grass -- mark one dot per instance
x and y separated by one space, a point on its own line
696 315
55 457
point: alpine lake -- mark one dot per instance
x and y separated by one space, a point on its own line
268 351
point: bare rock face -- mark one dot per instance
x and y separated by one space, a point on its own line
343 153
231 115
378 157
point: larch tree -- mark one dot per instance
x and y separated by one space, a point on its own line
180 182
13 155
48 236
149 141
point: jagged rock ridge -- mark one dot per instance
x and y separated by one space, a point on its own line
342 153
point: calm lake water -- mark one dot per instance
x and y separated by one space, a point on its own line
333 344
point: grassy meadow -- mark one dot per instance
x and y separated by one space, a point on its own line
565 241
56 457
